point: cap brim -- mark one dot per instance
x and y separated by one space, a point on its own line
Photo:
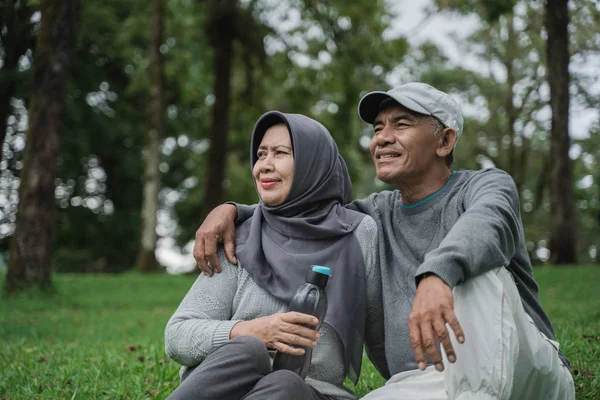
368 107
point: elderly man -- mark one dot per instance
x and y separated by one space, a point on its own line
461 308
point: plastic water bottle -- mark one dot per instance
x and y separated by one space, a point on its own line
309 299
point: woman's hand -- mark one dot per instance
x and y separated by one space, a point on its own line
281 331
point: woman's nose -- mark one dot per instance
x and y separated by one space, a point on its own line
266 164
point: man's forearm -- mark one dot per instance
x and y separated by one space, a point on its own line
243 211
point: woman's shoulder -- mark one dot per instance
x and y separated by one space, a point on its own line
226 266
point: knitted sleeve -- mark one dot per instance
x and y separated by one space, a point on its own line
203 319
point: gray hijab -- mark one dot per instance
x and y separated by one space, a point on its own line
278 244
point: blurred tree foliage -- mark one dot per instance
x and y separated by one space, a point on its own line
509 124
320 59
490 10
17 37
303 56
299 56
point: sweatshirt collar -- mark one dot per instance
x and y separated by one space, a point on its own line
430 197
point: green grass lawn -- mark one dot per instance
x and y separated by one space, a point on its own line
102 336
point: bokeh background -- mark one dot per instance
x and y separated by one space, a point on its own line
124 123
160 98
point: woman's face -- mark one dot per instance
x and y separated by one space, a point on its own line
274 170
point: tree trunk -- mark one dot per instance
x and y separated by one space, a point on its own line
562 236
16 39
509 104
146 261
31 246
221 34
511 115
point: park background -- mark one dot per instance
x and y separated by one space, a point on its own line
124 122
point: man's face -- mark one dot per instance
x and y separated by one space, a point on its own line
404 145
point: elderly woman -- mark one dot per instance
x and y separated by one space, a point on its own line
228 328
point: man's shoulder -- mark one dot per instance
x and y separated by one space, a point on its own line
384 197
489 183
376 203
482 176
469 173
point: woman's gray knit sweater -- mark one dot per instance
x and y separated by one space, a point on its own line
205 317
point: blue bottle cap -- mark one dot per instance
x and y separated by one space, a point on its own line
321 270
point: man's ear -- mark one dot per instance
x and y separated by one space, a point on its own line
446 142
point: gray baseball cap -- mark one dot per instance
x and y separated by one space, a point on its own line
418 97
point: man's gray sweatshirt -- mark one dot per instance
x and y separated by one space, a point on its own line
470 226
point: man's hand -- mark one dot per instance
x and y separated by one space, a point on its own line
218 227
433 307
280 331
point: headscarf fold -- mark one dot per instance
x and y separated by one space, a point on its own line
278 244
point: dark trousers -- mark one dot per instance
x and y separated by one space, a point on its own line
241 369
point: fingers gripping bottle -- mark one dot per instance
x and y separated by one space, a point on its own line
309 299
